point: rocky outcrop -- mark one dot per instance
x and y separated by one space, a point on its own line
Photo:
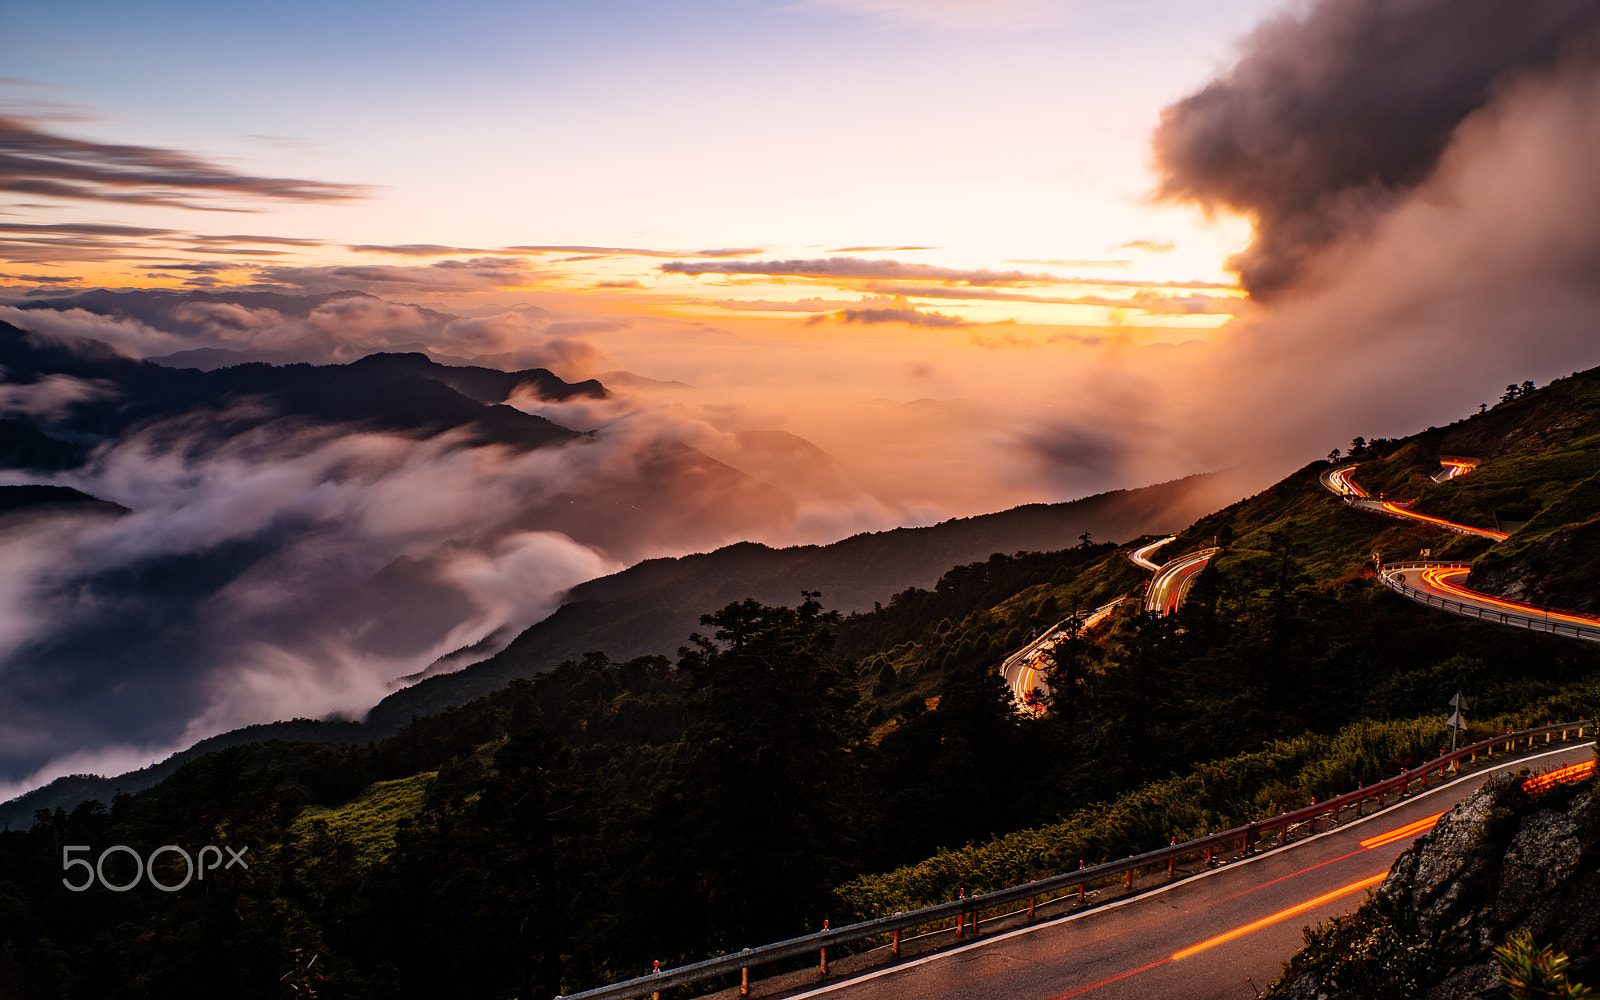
1498 864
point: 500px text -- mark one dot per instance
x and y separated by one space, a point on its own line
145 870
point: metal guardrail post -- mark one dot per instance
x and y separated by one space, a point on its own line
819 942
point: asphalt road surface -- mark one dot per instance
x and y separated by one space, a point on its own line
1444 582
1172 581
1216 935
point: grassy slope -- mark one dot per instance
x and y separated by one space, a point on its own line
368 823
1543 450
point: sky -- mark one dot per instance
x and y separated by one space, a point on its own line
972 253
1000 136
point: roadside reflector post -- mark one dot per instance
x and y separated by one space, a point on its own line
1211 850
1129 882
744 980
896 942
961 916
657 970
824 950
1172 862
1030 906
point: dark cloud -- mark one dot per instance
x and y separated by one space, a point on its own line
40 162
413 249
891 315
192 267
286 241
44 279
1149 299
1334 112
478 273
82 229
636 252
222 251
852 268
627 283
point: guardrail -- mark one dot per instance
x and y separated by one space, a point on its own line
1171 565
1051 633
1247 836
1534 623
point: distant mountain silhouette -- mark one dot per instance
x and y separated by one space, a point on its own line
26 498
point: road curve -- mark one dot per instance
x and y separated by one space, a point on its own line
1434 584
1141 555
1342 481
1021 669
1172 581
1180 942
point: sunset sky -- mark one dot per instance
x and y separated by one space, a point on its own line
973 253
947 136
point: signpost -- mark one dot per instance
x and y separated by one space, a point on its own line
1458 718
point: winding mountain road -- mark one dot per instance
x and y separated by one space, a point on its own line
1021 669
1217 935
1172 581
1434 583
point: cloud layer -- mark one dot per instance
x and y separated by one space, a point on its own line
1334 114
38 162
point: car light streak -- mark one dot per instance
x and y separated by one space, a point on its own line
1141 555
1439 578
1295 910
1343 483
1410 829
1173 579
1394 507
1572 772
1107 982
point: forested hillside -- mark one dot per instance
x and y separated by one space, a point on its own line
791 764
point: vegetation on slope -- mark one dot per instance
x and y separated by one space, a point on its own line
568 829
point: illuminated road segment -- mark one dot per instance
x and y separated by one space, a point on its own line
1215 935
1021 669
1435 583
1172 581
1141 555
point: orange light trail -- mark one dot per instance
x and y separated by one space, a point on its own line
1420 826
1572 772
1300 908
1342 481
1440 576
1394 508
1107 982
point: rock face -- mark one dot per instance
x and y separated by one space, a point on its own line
1498 864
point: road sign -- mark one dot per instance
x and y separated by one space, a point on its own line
1458 718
